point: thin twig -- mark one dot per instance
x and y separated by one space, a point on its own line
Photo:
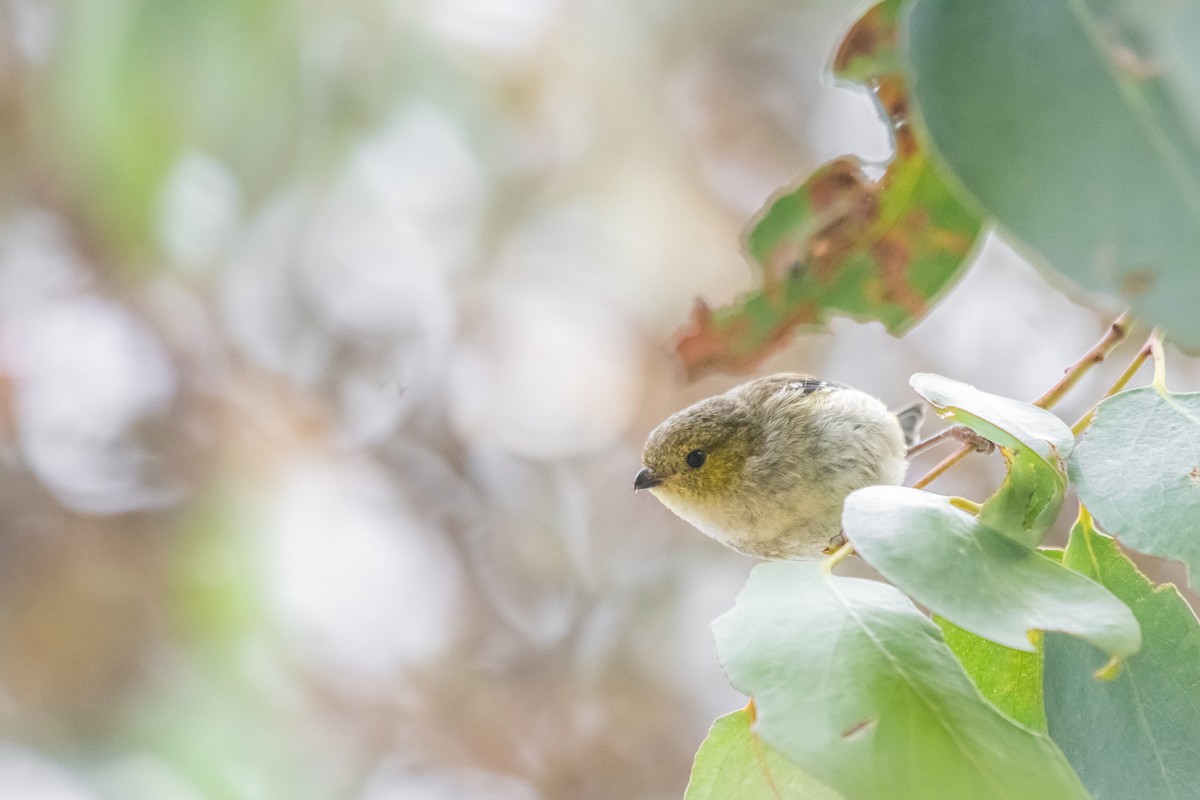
932 441
962 433
1120 383
1112 337
1115 334
946 463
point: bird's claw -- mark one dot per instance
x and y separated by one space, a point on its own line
835 544
967 436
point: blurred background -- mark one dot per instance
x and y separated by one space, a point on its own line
329 336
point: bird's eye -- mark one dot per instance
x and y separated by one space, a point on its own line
695 459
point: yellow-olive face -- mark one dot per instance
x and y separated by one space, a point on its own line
698 453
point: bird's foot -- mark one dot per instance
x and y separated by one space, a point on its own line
967 436
835 544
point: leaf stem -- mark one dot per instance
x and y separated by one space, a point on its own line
932 441
1160 362
837 557
1110 671
945 464
969 506
1112 337
1085 518
1120 383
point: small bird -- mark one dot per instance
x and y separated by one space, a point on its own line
766 467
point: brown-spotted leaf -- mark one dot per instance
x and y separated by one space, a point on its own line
842 241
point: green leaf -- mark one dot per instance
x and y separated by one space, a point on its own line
842 241
1010 679
734 764
1137 470
979 579
1027 503
1171 35
1137 736
1035 443
1007 422
856 686
1073 123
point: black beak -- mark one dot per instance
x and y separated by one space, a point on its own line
645 479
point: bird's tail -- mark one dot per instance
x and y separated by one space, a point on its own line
910 422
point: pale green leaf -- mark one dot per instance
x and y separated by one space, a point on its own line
1137 736
1137 470
734 764
1027 503
1010 679
1007 422
979 579
1034 443
857 687
1073 123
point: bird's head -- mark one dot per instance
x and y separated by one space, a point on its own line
696 457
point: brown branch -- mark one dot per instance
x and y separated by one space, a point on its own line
1115 334
1112 337
1120 383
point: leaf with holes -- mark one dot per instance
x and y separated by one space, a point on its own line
844 242
733 763
1137 735
856 686
1137 469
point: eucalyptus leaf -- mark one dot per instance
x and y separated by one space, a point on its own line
1010 679
979 579
1138 735
1034 443
1073 123
1007 422
734 764
857 687
1137 469
1029 500
846 240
